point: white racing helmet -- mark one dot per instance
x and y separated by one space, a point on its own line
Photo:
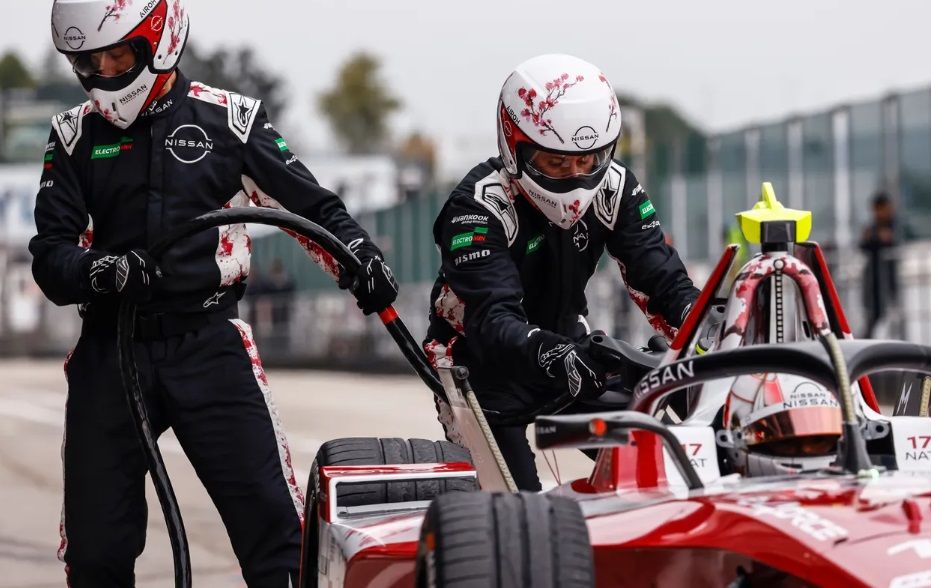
147 35
558 124
776 424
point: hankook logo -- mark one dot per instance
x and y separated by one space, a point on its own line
74 38
189 144
157 23
585 138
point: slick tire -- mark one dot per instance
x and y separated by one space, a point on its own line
525 540
375 451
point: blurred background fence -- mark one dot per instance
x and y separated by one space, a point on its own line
832 162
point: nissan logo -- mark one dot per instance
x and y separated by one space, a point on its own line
585 138
74 38
189 144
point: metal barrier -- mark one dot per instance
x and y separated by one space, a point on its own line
325 329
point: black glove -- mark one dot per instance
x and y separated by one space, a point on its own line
569 363
374 286
129 275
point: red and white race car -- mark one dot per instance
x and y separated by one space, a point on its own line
664 504
659 507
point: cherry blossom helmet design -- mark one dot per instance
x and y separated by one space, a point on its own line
144 37
558 124
780 424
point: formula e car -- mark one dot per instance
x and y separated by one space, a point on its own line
666 503
660 507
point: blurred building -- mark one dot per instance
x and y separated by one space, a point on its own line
29 324
830 162
364 182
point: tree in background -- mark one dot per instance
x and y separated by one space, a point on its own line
55 82
236 70
419 149
358 106
672 143
13 74
14 79
416 160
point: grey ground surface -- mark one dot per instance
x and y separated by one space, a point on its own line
314 406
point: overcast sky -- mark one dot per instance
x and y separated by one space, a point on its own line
724 63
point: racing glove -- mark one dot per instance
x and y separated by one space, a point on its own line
374 286
568 363
129 275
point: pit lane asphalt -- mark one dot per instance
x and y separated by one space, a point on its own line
314 406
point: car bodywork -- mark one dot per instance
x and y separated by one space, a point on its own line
648 527
657 508
823 530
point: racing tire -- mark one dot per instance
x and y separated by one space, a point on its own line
521 540
376 451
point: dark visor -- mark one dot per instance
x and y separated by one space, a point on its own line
109 62
561 172
562 166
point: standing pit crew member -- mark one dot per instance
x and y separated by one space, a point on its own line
522 234
151 150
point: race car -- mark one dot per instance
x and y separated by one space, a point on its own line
666 503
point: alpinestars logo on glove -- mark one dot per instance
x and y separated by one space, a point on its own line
546 358
572 373
572 363
97 269
575 370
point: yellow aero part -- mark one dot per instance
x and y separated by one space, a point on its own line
769 209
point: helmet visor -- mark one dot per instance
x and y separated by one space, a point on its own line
110 62
802 428
557 165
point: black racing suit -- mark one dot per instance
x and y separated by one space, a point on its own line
107 191
507 270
